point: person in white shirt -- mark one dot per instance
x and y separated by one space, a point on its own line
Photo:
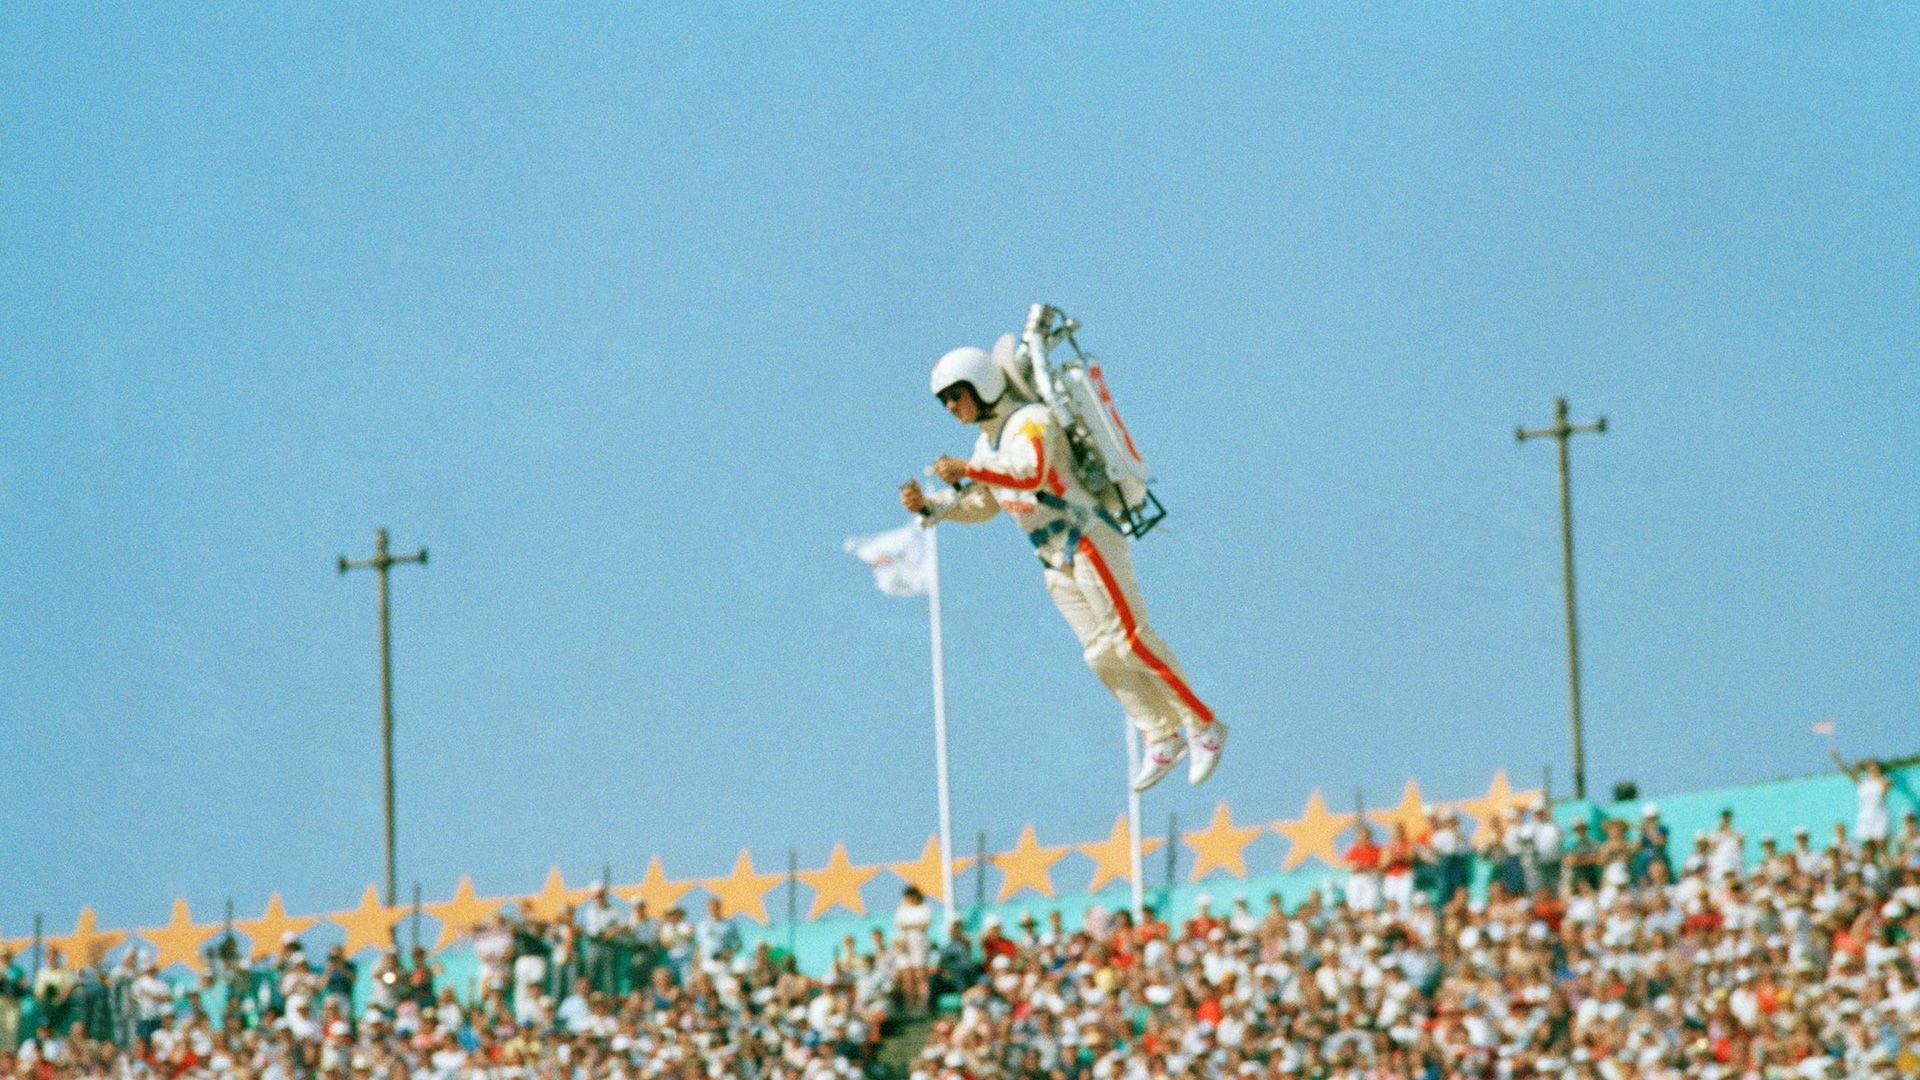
1728 853
493 947
1544 834
152 1000
1839 847
1871 786
1906 846
1805 859
575 1010
600 922
1241 920
297 1022
1452 859
911 921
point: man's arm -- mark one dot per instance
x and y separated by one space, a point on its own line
968 505
1021 461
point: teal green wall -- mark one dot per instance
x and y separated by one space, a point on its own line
1759 809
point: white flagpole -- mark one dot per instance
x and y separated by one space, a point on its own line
1133 824
940 725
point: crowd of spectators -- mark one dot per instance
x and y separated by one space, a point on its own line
604 991
1587 956
1518 951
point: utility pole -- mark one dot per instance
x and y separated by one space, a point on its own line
1561 431
380 562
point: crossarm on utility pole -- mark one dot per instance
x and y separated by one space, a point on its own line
381 561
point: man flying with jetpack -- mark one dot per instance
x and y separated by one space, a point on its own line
1036 459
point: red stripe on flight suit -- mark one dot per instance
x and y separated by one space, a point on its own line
984 476
1159 667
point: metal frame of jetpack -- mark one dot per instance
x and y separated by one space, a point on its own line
1047 326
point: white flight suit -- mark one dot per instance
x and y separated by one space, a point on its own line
1020 464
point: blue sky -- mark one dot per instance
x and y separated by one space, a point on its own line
625 313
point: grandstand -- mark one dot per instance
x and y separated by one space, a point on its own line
1739 932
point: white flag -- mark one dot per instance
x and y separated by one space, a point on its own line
898 558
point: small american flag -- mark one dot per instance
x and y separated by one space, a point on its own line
1823 727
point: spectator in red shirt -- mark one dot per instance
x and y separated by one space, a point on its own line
1204 921
1363 879
1124 940
1549 908
1151 926
994 943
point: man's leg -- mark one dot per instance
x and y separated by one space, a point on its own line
1097 627
1104 568
1092 617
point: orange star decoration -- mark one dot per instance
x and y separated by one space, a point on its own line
1028 866
655 890
270 929
86 944
370 924
1492 806
743 892
554 897
838 882
1315 832
1219 846
1112 857
179 941
1409 812
923 873
461 915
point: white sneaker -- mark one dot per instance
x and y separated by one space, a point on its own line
1208 741
1160 758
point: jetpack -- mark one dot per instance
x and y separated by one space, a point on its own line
1105 460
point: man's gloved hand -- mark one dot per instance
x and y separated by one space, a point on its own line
912 497
950 469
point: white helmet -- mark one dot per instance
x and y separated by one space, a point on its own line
973 367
